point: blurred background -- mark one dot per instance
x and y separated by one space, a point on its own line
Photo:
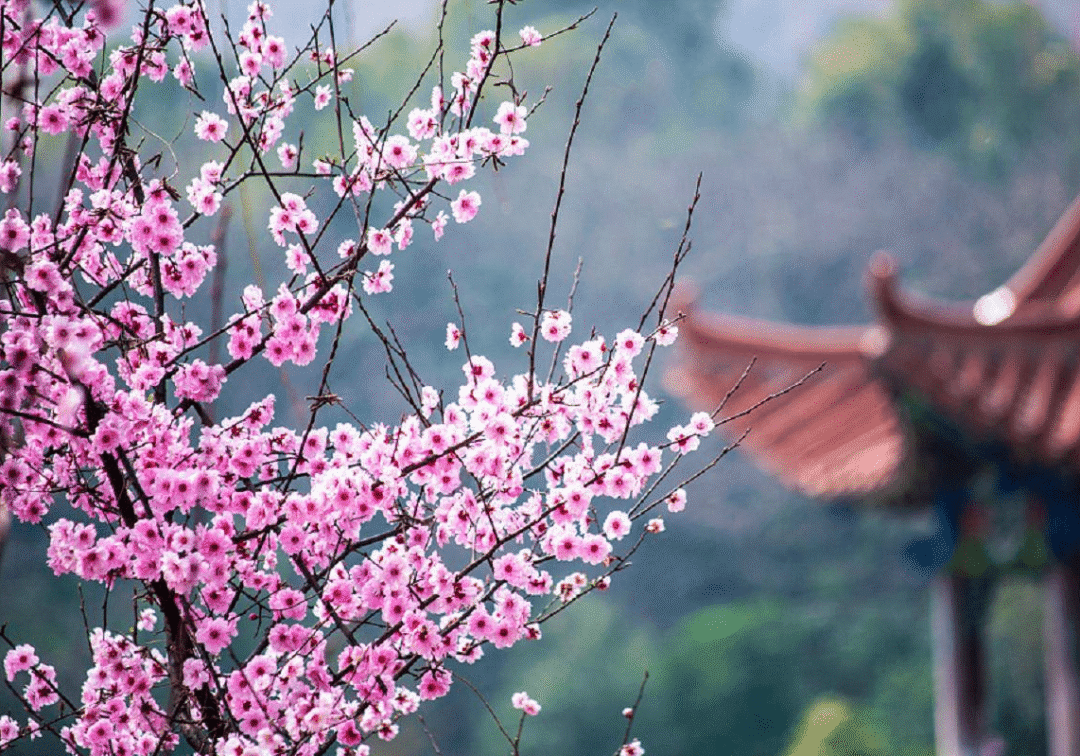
946 131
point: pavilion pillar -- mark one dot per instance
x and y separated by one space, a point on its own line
959 677
1060 647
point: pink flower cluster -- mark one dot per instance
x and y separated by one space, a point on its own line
360 563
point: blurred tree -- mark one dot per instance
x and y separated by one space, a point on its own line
709 79
1014 642
727 672
982 81
829 728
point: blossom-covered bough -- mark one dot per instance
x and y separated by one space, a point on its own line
297 590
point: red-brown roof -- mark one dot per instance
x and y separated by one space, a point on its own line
1004 367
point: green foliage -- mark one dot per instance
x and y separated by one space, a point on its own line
980 80
727 673
587 667
1015 649
829 728
832 727
672 61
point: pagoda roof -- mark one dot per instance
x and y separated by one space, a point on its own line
1003 369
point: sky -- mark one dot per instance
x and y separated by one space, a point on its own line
778 33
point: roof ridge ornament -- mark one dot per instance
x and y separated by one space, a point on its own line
990 309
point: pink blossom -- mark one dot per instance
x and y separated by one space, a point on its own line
210 127
287 154
380 241
460 170
453 336
215 633
676 501
702 423
684 439
517 335
666 334
199 381
9 175
9 730
379 281
273 51
422 123
526 704
399 152
19 659
555 325
147 619
434 684
250 62
629 342
511 118
530 36
616 525
594 549
14 231
465 206
438 226
53 119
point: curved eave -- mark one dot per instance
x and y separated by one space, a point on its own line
1042 298
766 339
904 312
843 403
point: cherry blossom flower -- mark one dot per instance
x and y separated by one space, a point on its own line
273 51
526 704
465 206
555 325
616 525
629 342
215 633
438 226
530 36
19 659
211 127
380 241
684 439
422 123
9 175
399 152
702 423
9 730
287 154
517 335
511 118
379 281
676 501
453 336
666 334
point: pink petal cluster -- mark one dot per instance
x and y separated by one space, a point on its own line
305 587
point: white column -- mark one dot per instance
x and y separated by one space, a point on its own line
959 679
1062 684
